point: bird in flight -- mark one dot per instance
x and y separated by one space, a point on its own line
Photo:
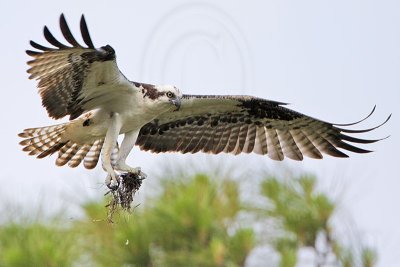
84 83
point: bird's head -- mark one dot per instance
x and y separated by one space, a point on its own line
171 95
165 96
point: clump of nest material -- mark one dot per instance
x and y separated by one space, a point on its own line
122 197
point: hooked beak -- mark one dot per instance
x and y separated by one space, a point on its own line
177 103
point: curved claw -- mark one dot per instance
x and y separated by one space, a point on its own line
112 182
142 175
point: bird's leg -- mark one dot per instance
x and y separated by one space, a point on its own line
108 146
126 146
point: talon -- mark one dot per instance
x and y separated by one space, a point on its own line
142 175
112 182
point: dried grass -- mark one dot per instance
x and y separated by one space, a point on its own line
122 197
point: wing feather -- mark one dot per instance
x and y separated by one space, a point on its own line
226 131
306 147
289 146
203 140
69 76
244 124
233 139
242 138
250 139
212 144
67 32
52 40
196 137
85 33
274 147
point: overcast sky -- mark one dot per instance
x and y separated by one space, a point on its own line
333 60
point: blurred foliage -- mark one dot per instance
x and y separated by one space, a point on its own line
368 257
344 255
193 221
302 210
188 222
303 214
287 249
35 244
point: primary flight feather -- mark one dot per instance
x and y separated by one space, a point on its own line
84 83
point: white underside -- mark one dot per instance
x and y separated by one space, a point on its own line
114 110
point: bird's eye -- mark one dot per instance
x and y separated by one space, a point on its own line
170 94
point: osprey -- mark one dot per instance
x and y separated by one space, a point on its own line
85 84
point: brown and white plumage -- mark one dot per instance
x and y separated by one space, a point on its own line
245 124
84 83
69 76
45 141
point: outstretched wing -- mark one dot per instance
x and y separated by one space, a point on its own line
236 124
72 77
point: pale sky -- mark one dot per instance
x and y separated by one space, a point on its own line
333 60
